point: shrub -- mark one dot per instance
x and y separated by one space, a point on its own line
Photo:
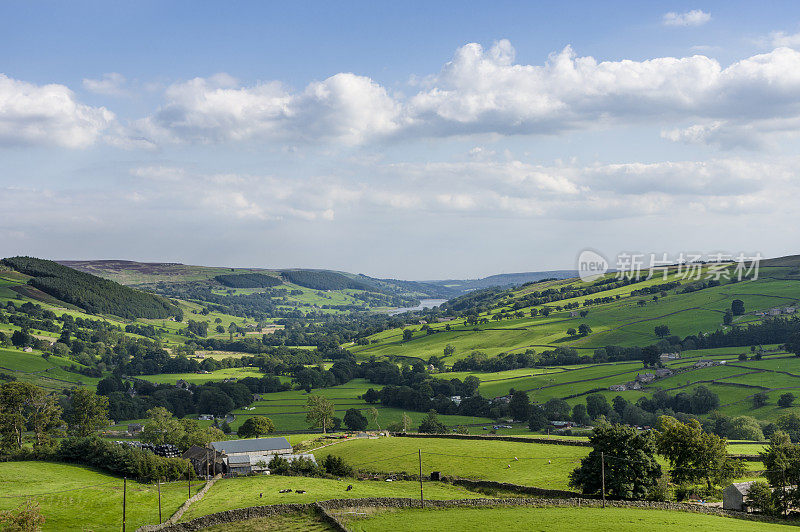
786 400
335 465
27 517
762 498
122 460
432 425
355 420
279 466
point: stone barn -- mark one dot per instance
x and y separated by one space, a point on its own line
734 497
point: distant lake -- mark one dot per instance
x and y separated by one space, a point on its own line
423 304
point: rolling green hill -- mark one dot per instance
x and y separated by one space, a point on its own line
89 292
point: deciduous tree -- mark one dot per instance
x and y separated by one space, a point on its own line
631 469
319 412
89 412
255 427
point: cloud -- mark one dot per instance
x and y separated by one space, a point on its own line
695 17
111 84
244 197
344 107
48 115
483 91
779 39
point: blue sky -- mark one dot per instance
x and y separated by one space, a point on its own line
415 140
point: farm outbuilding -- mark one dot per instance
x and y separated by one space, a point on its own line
246 456
734 496
205 460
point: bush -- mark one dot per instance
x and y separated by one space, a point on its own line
27 517
432 425
760 399
336 466
786 400
122 460
762 498
300 467
354 419
279 466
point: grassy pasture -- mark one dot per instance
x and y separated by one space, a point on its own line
291 522
287 409
553 519
200 378
622 322
79 498
47 373
466 458
242 492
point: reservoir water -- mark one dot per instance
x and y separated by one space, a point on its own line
423 304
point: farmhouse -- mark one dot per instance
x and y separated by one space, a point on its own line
665 357
206 417
644 378
617 387
733 497
247 456
205 461
135 428
182 384
245 465
663 372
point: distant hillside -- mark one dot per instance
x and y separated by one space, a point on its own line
503 280
148 274
248 280
782 262
326 280
89 292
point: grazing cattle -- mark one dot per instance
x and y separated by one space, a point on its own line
349 487
299 491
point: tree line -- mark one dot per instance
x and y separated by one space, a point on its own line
91 293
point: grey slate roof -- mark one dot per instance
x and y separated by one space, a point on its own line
236 460
742 487
252 445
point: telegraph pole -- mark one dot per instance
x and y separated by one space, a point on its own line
124 500
189 477
421 498
159 501
603 475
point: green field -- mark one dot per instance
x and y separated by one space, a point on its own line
47 373
287 409
242 492
622 322
540 465
79 498
290 522
200 378
553 519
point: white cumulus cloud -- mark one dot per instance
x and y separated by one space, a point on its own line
344 107
695 17
48 115
111 84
